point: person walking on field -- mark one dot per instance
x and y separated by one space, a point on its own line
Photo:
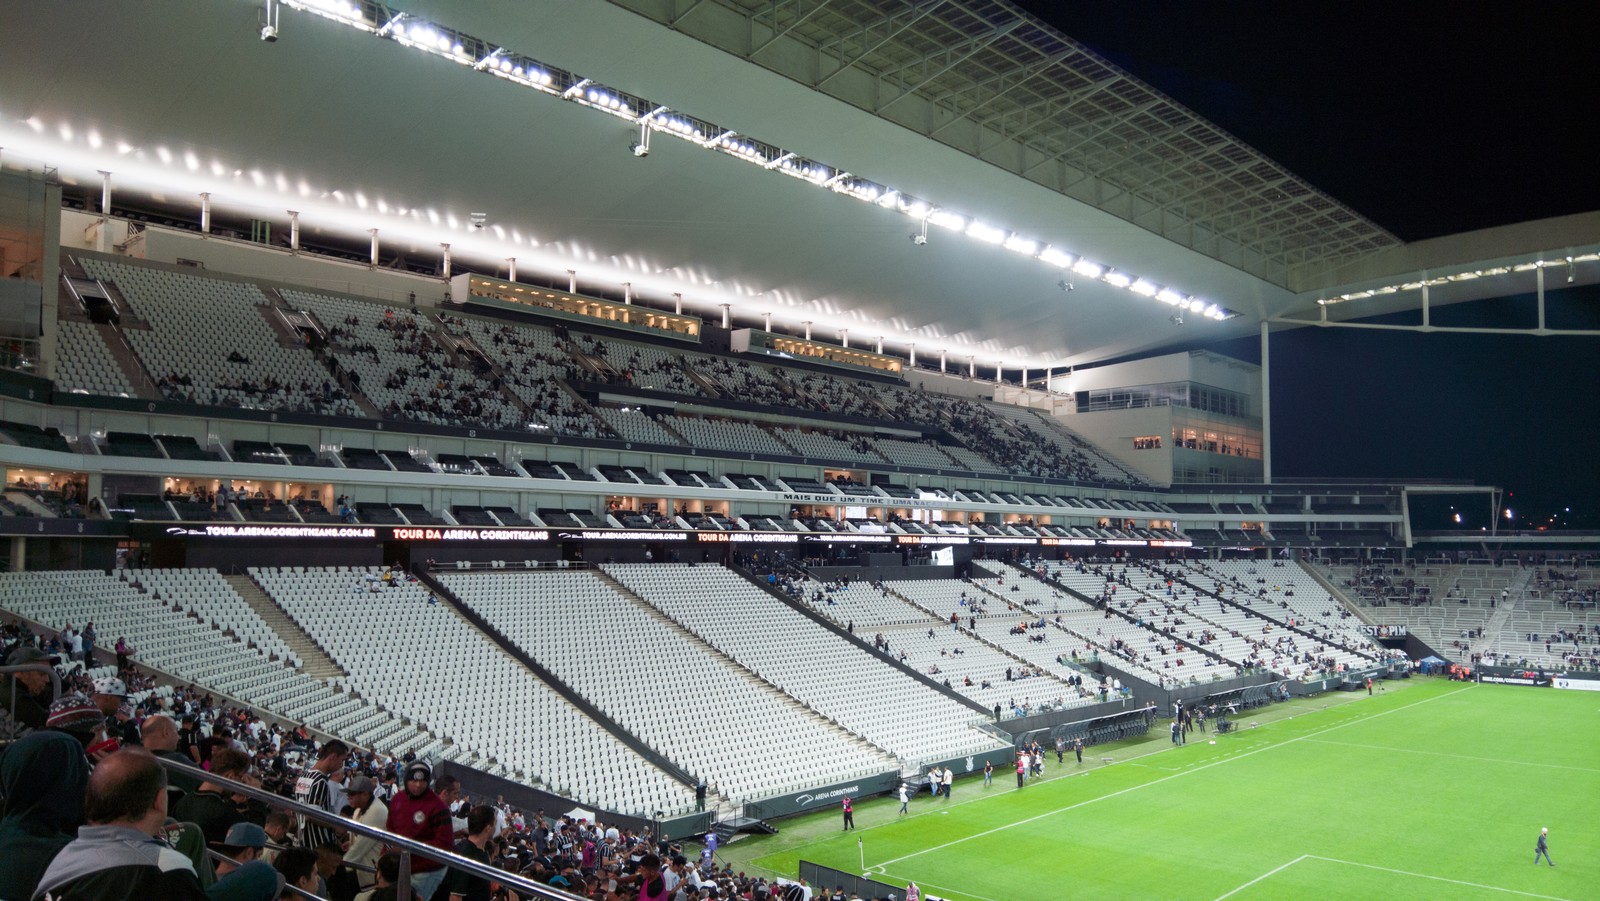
849 814
1542 848
903 798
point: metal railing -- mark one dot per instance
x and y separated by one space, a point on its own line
406 847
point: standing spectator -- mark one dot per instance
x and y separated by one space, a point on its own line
949 779
124 651
88 644
312 789
904 798
849 814
118 855
418 814
369 811
461 885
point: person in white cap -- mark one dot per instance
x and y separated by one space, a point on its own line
111 697
1543 848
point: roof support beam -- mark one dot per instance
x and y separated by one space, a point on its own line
799 20
972 46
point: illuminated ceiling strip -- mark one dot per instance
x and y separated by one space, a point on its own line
1465 276
410 31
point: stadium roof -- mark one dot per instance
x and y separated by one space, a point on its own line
974 107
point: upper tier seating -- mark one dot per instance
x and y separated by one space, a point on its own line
403 368
86 364
239 362
534 362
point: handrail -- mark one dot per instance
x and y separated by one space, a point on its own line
11 704
407 847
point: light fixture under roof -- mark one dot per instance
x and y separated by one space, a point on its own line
485 56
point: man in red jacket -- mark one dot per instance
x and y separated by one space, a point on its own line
420 815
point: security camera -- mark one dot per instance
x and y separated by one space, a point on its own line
1177 319
919 239
1064 285
269 33
639 149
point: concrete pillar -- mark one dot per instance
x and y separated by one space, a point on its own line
807 324
913 355
972 367
880 344
941 360
294 230
677 302
19 554
726 318
1024 376
766 322
1266 408
101 237
572 281
844 337
205 212
999 369
374 233
627 292
445 266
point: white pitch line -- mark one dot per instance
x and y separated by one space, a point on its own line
943 888
1492 888
1552 766
1265 875
1133 788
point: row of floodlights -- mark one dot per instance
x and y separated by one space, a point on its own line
412 32
1569 262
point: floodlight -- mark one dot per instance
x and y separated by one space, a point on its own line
1022 245
986 233
1055 257
947 219
1169 296
1143 288
1119 279
1085 268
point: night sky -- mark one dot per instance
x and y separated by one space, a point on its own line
1429 120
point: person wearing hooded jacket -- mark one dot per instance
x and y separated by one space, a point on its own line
42 777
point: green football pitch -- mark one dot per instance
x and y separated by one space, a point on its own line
1430 789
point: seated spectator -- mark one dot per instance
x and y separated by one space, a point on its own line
388 875
118 856
77 716
161 739
42 778
243 843
32 693
297 867
210 806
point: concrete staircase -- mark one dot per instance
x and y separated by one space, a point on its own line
1516 592
317 665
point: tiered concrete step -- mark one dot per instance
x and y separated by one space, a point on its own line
316 663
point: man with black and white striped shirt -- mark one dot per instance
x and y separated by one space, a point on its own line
312 789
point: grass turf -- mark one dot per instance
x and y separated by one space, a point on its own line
1431 789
